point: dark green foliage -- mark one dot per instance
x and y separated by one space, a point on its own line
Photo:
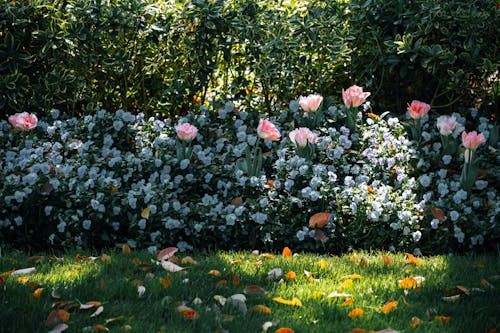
443 52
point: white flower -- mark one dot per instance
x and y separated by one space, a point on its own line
454 215
416 235
86 224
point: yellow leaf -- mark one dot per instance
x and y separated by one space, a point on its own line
286 252
22 279
408 283
388 307
267 255
317 294
38 292
347 283
145 213
353 276
322 264
356 313
294 302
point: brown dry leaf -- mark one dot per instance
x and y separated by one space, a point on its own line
35 259
267 255
164 282
214 272
439 214
236 280
453 298
101 328
145 213
89 305
137 282
126 250
259 308
188 260
463 289
253 289
387 260
415 321
237 201
485 283
63 315
363 262
319 220
115 319
38 292
105 258
171 267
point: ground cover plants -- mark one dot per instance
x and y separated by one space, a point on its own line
243 291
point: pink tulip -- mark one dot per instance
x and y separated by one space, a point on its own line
310 103
418 109
301 136
267 130
472 140
354 96
448 125
186 131
23 121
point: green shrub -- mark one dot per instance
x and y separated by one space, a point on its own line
443 52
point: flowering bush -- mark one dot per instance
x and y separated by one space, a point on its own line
112 178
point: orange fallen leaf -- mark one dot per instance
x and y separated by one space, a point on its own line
438 214
236 280
356 313
408 283
290 275
126 249
188 260
260 309
105 258
348 302
214 272
284 330
145 213
267 255
222 282
137 282
237 201
115 319
38 292
63 315
389 307
363 262
164 282
2 281
101 328
442 319
387 260
90 305
22 279
319 220
412 259
187 312
286 252
358 330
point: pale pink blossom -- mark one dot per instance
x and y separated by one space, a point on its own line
310 103
301 136
418 109
267 130
448 124
472 140
354 96
24 121
186 131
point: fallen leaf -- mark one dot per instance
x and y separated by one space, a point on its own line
357 312
353 276
412 259
408 283
286 252
363 262
284 330
319 220
387 260
35 259
253 289
187 312
188 260
59 328
290 275
145 213
90 305
221 299
22 279
137 282
97 312
453 298
415 321
171 267
105 258
126 249
358 330
485 283
438 214
322 264
348 302
293 302
101 328
24 271
141 290
267 255
320 235
164 282
214 272
38 292
389 307
259 308
2 281
236 280
442 319
337 294
387 330
237 201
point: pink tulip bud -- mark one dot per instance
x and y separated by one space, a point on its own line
447 125
186 131
23 121
301 136
418 109
354 96
310 103
472 140
267 130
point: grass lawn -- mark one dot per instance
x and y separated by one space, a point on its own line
248 292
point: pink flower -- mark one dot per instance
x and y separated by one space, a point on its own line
186 131
448 125
267 130
301 136
418 109
23 121
354 96
310 103
472 140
